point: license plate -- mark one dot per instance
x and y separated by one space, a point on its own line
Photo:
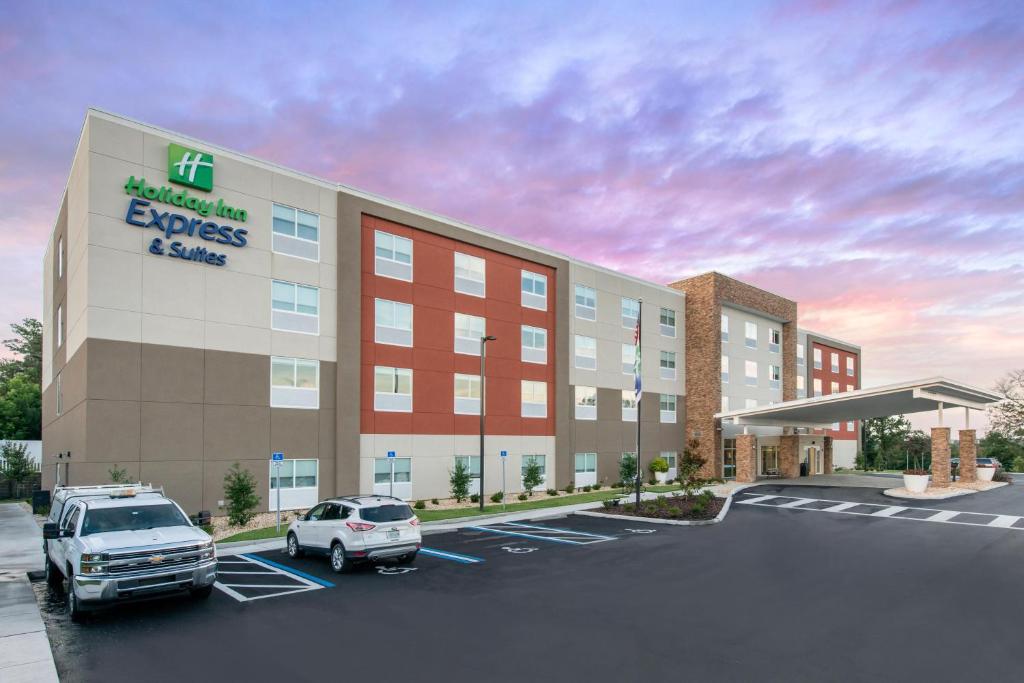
393 534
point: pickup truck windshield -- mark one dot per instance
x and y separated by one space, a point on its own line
105 520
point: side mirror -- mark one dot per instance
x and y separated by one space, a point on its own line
50 531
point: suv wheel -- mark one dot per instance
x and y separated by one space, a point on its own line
408 559
339 562
294 549
54 579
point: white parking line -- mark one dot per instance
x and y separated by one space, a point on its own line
1004 521
265 568
841 507
797 503
943 516
889 511
752 501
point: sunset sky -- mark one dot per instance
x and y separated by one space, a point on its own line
865 159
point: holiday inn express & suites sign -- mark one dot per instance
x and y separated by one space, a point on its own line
189 168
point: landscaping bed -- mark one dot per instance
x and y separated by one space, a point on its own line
693 508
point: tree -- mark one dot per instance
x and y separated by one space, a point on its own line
627 471
917 448
20 409
532 477
1007 416
884 441
459 481
16 465
691 467
27 347
996 445
240 494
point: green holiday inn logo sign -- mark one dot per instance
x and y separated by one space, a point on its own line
190 167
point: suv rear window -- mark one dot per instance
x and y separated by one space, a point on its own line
104 520
386 513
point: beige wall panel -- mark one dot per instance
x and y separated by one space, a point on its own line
170 287
171 431
328 385
108 323
248 260
237 298
113 431
328 349
213 481
328 202
290 191
115 140
107 177
233 432
237 338
115 279
328 239
114 233
296 433
113 370
228 173
326 447
182 482
239 379
169 331
171 374
294 345
328 275
291 269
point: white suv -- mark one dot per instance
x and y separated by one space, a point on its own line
354 529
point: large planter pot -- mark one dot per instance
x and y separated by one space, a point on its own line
915 483
985 473
660 477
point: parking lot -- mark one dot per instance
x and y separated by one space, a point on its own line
772 593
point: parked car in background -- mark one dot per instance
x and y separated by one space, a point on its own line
109 543
989 462
357 529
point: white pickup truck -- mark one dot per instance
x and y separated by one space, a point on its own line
110 543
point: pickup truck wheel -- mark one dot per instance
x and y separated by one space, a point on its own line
294 549
201 593
75 610
339 562
54 579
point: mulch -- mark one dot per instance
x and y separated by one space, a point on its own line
675 507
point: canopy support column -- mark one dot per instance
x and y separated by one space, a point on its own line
789 455
940 456
746 458
826 455
968 455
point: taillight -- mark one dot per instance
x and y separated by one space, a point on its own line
359 526
415 521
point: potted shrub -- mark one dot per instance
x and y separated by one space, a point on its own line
915 479
659 468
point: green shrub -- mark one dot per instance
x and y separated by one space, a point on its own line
240 495
532 476
552 492
522 496
1018 463
596 487
118 475
570 488
658 465
497 497
475 498
586 489
420 504
701 502
433 501
459 481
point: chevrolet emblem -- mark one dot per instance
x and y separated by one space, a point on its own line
156 559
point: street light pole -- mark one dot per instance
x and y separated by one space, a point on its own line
483 409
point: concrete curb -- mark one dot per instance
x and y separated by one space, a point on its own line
676 522
953 491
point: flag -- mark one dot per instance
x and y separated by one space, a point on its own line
638 388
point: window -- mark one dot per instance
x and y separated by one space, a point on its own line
774 339
834 358
725 369
470 275
849 366
801 386
392 256
725 404
392 389
835 426
534 399
296 233
586 353
60 257
750 403
586 302
586 462
535 290
817 359
774 376
725 328
535 345
60 326
850 426
834 388
467 394
295 474
817 386
586 403
667 408
630 312
472 465
668 322
629 410
469 330
294 307
392 323
294 383
750 373
668 365
849 387
541 461
628 359
670 458
729 458
751 335
60 394
382 471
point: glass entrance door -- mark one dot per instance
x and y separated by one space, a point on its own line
728 458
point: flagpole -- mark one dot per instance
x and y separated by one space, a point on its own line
639 398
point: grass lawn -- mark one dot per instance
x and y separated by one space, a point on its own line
539 501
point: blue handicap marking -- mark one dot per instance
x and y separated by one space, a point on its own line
454 557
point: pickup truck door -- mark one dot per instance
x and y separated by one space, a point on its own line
59 545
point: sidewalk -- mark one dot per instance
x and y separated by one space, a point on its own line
24 647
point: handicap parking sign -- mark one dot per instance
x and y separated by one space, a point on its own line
391 454
277 457
504 454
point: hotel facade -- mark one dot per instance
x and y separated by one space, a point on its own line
203 308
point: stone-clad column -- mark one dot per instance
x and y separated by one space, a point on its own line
789 460
826 455
940 456
746 458
968 455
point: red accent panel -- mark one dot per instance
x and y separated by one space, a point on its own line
826 376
